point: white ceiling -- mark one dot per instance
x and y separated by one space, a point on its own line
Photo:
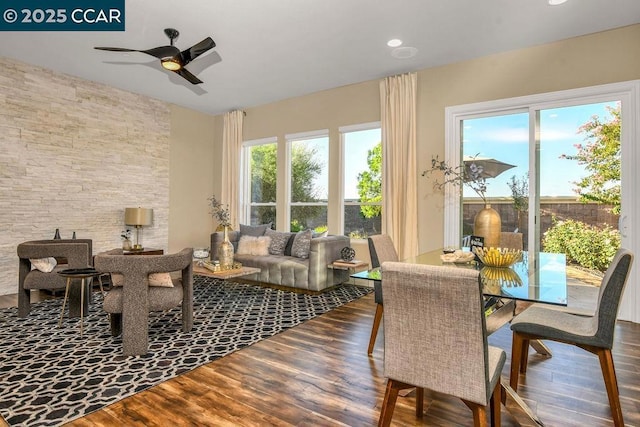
277 49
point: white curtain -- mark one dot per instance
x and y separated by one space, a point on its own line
231 148
398 99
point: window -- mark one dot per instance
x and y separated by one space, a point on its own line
308 156
260 172
362 180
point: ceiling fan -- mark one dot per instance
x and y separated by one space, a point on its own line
171 58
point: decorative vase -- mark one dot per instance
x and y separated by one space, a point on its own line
56 236
487 224
126 245
225 252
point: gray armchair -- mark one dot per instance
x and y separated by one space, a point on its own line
591 333
75 253
129 305
436 338
381 250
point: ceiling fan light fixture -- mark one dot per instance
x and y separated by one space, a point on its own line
171 64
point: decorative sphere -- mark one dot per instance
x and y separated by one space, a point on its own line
347 253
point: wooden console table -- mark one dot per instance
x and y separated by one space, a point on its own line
145 251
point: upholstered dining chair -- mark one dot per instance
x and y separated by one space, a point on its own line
591 333
381 249
436 338
511 240
129 302
68 253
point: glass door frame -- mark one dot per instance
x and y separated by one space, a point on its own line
628 93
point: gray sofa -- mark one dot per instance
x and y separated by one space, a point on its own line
312 274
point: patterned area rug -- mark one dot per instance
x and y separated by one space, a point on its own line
51 375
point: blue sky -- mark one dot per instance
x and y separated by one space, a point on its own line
505 138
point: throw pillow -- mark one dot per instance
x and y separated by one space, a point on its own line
161 280
301 244
278 241
287 249
251 245
46 265
254 230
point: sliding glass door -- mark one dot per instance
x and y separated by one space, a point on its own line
565 174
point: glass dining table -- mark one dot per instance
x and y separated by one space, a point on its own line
533 279
541 279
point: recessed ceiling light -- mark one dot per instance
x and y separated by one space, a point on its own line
556 2
394 43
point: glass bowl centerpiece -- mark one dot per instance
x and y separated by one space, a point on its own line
498 257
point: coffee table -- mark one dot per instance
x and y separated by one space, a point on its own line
224 274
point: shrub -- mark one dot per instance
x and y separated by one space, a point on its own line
586 245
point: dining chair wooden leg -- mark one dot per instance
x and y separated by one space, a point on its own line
419 401
389 402
611 383
479 413
516 359
496 400
374 329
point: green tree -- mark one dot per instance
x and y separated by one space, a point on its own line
370 183
600 156
304 168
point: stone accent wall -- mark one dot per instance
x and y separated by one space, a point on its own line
73 155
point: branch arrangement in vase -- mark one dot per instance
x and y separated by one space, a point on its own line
468 173
220 212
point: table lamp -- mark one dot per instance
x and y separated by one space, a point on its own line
138 217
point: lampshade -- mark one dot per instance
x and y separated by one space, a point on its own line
138 216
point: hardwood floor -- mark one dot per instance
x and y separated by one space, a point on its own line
318 374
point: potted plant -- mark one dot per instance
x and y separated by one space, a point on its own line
126 239
487 222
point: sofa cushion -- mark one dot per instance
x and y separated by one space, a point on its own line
254 230
278 269
251 245
279 241
301 244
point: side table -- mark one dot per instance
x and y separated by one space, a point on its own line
353 266
83 274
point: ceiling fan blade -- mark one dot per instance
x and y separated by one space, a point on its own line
197 49
187 75
162 51
116 49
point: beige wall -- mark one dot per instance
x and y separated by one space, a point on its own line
606 57
191 178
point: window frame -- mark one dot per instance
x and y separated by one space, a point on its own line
343 130
245 179
289 140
